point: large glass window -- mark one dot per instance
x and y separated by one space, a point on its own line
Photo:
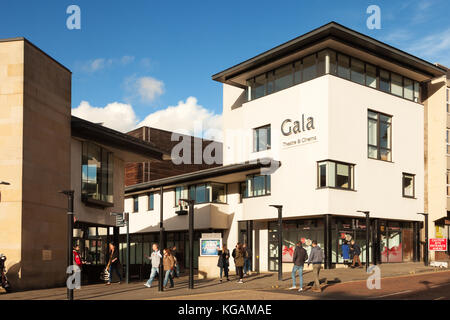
409 88
332 174
283 77
259 87
205 192
343 66
218 192
379 136
408 185
257 185
371 76
97 173
357 71
180 193
396 84
309 68
261 138
385 81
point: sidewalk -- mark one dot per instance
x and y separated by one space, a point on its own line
261 286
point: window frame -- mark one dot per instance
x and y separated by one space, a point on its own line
267 190
378 146
351 175
135 203
404 174
269 138
151 201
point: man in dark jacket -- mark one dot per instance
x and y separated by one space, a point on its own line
356 251
316 257
300 256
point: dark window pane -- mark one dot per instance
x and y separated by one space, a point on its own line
321 63
342 176
409 89
357 71
385 81
283 77
270 83
396 84
259 87
343 66
371 76
322 175
309 68
385 135
298 72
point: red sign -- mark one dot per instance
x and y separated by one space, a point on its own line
437 245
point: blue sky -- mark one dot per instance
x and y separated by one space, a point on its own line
142 56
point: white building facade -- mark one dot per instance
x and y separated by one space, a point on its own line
340 117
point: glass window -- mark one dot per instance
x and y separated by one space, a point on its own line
335 175
218 193
448 183
180 193
409 89
385 82
283 77
258 185
343 66
408 185
333 65
135 204
448 99
151 201
396 84
416 91
242 191
357 71
379 136
297 72
309 68
371 76
447 139
201 194
97 173
321 63
259 87
270 82
261 139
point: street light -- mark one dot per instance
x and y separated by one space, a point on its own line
69 194
367 236
280 240
191 241
425 249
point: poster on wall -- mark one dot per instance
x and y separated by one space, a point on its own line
210 247
437 244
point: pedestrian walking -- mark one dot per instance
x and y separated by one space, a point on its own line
299 258
315 258
247 260
239 261
345 252
177 261
223 262
233 254
155 259
169 264
113 263
77 257
356 251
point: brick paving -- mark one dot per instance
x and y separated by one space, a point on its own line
259 286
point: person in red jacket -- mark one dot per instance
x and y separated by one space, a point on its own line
77 256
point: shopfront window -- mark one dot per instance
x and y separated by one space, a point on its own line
332 174
97 173
379 136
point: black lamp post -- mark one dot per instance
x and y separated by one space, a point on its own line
425 249
367 237
69 194
161 239
280 240
191 241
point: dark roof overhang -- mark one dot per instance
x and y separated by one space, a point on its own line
95 132
339 33
204 174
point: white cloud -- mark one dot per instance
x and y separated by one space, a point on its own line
147 89
186 117
115 115
102 63
434 47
